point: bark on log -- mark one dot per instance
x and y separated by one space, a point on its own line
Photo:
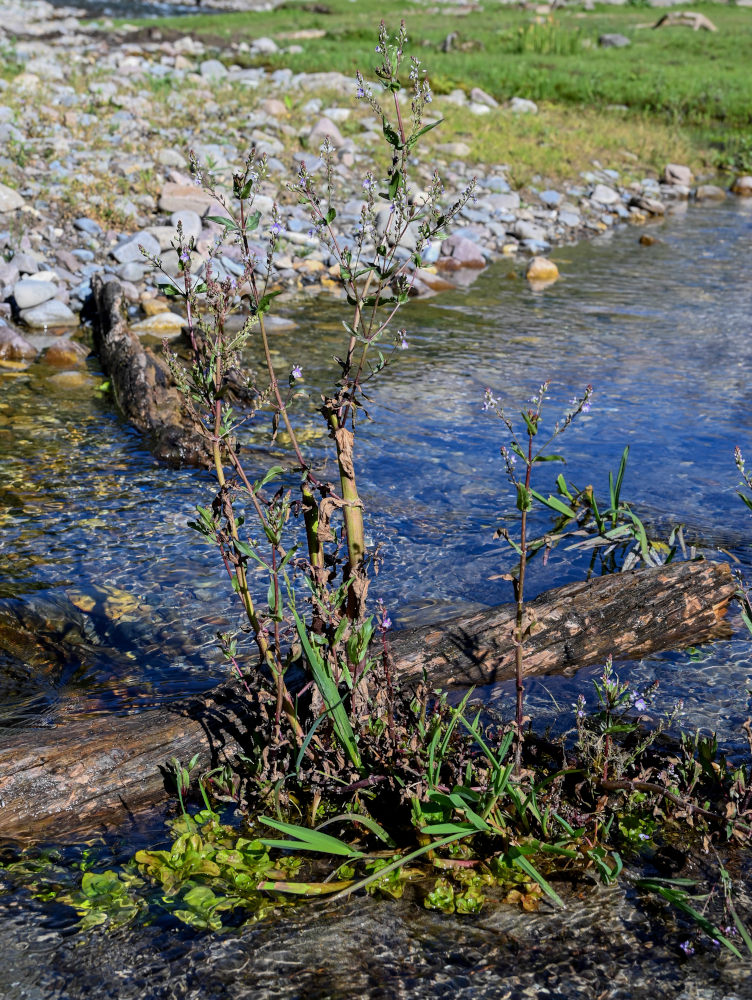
66 780
141 382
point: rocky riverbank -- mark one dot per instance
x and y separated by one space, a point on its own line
96 127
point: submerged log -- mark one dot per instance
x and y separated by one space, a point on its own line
141 382
72 778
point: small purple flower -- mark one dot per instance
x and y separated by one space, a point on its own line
386 622
638 702
185 255
297 372
402 334
276 228
586 407
687 948
360 93
643 836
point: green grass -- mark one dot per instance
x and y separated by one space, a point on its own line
680 76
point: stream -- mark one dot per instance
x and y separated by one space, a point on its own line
91 525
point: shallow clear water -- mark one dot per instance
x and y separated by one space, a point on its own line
92 526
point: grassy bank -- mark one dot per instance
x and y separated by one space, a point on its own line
672 93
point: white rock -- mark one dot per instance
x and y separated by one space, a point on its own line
265 46
29 292
481 97
191 221
50 313
675 173
325 127
605 195
213 69
10 200
522 106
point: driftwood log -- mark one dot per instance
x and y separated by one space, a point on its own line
685 19
80 774
141 382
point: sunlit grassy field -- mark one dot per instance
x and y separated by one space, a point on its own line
673 93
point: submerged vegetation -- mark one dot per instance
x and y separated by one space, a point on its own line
356 782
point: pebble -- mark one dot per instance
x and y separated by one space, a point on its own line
522 106
742 186
613 41
65 353
541 270
710 192
676 174
14 347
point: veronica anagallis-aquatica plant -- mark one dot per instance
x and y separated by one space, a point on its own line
251 518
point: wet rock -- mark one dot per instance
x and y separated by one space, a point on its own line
541 270
742 186
613 41
10 200
646 240
675 173
161 324
69 379
710 192
14 347
65 353
646 204
50 313
522 106
29 292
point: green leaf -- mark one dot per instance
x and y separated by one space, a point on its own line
524 497
532 426
331 215
265 302
252 222
272 473
391 136
328 690
222 220
549 458
394 184
517 857
426 128
306 839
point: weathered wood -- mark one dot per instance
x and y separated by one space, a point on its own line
626 615
61 781
685 19
141 382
